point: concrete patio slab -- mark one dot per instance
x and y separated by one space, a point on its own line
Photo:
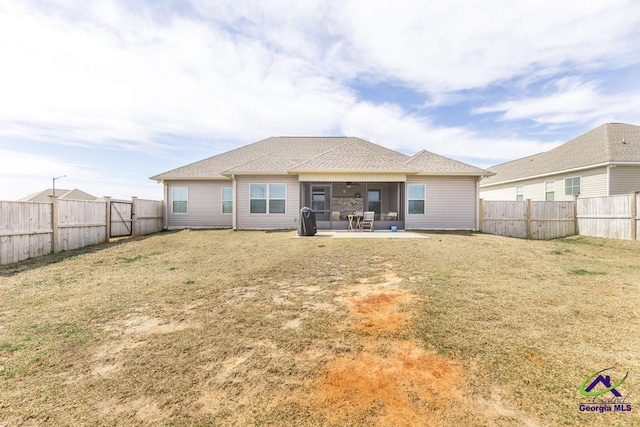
380 234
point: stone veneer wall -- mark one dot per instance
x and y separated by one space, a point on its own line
346 205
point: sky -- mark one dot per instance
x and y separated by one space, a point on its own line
110 93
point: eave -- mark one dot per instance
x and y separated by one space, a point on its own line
543 175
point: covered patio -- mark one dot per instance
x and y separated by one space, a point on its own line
335 202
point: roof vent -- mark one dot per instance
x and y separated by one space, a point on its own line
624 142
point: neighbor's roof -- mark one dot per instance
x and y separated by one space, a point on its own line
611 142
283 155
74 194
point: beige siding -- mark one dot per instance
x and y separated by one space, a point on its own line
204 208
505 192
287 220
594 183
354 177
451 204
624 179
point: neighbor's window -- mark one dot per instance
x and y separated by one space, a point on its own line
519 193
549 191
572 186
268 198
227 200
416 197
180 198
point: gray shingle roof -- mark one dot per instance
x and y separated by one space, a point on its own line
282 155
611 142
355 155
431 163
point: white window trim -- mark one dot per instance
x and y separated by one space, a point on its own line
424 186
580 185
222 200
520 193
268 198
173 200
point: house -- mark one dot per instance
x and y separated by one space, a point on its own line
74 194
602 162
265 184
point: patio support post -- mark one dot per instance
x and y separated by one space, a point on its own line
234 204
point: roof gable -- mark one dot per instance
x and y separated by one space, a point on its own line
611 142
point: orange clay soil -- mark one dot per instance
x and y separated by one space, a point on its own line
392 380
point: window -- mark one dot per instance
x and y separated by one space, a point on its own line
572 186
549 191
227 200
416 197
519 193
268 198
374 202
277 198
180 198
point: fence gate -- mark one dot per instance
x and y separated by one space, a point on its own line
121 218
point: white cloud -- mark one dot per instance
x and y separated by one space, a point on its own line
126 74
391 126
99 84
455 45
572 102
122 75
24 164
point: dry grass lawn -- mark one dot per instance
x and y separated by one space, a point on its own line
254 328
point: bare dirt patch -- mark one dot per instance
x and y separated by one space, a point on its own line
391 381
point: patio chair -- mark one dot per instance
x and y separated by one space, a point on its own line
367 220
392 216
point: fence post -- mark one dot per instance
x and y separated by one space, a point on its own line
55 237
107 201
634 214
481 215
528 207
134 216
575 214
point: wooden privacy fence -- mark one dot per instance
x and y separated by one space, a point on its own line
615 217
527 219
30 229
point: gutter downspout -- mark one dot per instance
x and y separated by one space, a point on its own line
234 217
478 203
166 205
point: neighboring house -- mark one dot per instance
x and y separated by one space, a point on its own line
265 184
602 162
74 194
